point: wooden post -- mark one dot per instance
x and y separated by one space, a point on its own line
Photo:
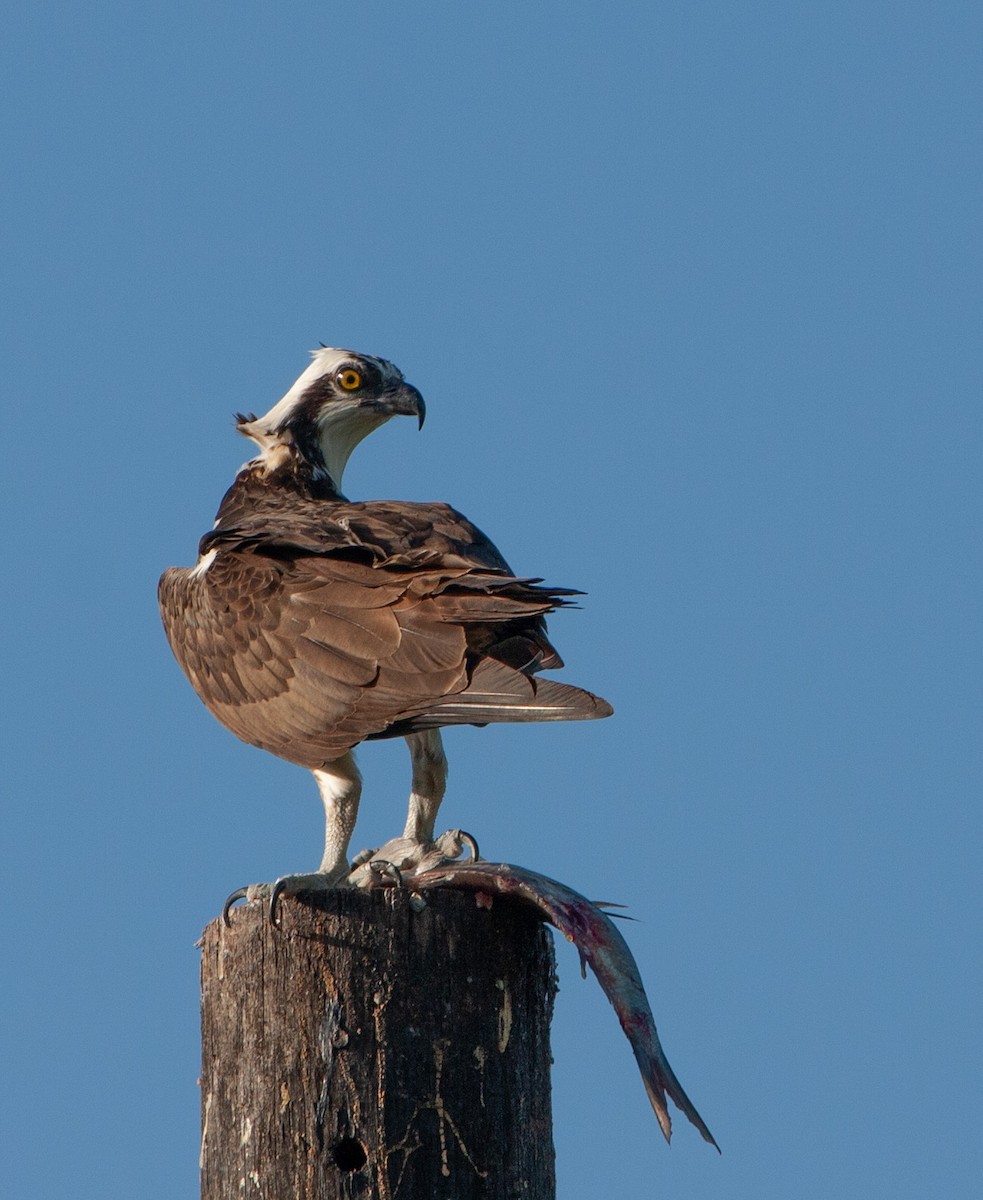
370 1048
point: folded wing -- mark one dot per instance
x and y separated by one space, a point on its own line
385 620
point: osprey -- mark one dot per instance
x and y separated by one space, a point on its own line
311 623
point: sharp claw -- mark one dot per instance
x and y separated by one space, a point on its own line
380 866
238 894
278 889
471 842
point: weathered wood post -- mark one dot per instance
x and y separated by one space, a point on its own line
370 1047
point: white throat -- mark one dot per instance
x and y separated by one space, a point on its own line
341 427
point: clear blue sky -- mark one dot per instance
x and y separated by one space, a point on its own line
693 293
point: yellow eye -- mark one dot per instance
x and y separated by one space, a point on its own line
350 379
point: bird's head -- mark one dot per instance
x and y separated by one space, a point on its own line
339 399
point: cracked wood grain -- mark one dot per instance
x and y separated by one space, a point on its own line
367 1049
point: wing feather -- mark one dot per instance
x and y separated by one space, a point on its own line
318 624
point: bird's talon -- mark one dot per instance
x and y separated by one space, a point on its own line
278 889
239 894
386 869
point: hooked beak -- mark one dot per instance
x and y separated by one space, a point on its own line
403 401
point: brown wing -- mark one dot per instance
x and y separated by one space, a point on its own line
382 532
361 624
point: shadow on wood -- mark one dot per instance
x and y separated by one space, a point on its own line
365 1048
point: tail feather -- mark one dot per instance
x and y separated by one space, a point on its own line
498 692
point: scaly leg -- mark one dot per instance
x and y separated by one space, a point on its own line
340 785
429 783
417 849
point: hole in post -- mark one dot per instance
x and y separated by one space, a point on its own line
349 1155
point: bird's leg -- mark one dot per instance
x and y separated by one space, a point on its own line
340 785
429 783
417 850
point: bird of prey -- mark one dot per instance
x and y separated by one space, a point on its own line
311 623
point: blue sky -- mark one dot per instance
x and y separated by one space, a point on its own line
693 293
